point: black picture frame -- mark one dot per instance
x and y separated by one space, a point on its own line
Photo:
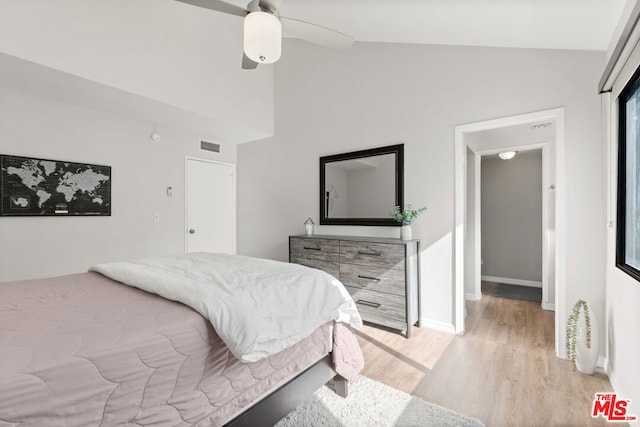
398 150
35 187
624 205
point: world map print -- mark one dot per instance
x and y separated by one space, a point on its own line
31 187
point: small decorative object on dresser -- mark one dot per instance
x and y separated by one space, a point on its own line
308 226
405 217
381 274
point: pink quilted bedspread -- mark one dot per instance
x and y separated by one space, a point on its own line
83 350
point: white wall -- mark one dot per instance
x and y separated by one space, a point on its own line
164 50
141 171
512 216
623 292
377 94
89 81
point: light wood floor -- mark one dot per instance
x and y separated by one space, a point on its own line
503 371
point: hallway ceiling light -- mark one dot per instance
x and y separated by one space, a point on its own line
506 155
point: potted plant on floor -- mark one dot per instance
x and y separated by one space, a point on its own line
583 343
405 217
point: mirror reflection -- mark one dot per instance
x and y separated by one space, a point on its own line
360 188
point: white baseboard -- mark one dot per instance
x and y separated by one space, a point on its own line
602 363
612 375
550 306
508 281
437 325
473 297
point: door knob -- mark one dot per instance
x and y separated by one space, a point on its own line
192 231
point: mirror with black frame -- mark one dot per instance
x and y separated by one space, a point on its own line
361 187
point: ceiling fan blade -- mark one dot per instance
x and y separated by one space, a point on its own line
313 33
218 6
248 63
271 5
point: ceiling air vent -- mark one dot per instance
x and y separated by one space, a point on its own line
210 146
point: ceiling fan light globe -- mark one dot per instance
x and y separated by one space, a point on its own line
262 37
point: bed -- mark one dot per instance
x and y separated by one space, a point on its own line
86 349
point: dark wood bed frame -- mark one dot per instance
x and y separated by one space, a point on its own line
275 406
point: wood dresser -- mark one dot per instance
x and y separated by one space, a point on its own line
381 274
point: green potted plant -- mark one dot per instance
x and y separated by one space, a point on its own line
405 217
582 338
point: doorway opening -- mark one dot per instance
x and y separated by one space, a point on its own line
511 232
543 131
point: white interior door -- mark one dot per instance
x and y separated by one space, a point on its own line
210 206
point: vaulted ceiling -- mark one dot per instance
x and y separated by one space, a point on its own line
553 24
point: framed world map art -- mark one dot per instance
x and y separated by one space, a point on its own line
39 187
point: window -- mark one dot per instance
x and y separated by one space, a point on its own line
628 221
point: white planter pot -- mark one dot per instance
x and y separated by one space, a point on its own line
587 358
405 232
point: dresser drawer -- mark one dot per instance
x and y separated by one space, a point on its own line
373 305
373 254
330 267
380 279
320 249
381 274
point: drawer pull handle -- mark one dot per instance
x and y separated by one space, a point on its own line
312 249
372 253
369 278
368 303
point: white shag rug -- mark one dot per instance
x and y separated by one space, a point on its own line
371 403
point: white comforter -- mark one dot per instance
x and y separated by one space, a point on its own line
258 307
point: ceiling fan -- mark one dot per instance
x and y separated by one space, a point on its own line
264 28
